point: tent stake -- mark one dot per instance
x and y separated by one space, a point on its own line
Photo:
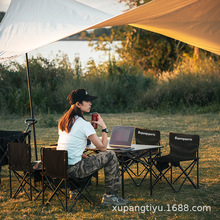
31 106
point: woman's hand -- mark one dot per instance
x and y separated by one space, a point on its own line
84 156
100 122
100 144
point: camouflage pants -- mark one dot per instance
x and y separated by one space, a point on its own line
88 166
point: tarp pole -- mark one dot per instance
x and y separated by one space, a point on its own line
31 106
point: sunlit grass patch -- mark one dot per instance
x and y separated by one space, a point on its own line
205 125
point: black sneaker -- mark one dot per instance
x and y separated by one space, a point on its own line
114 200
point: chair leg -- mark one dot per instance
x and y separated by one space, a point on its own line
66 195
26 179
187 176
42 182
30 187
80 193
182 173
43 188
159 177
54 191
197 164
128 170
171 174
10 183
97 179
138 161
137 169
21 186
96 175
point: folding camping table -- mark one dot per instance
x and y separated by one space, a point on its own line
128 153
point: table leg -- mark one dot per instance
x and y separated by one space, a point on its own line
151 173
122 176
0 173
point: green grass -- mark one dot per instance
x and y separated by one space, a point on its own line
206 125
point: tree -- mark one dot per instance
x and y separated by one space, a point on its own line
134 3
101 31
84 35
148 50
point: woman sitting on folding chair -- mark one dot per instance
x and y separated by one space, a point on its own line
73 133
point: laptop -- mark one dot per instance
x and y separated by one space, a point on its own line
121 137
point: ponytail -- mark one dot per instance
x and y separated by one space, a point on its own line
68 119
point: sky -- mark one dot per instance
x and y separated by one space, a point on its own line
109 6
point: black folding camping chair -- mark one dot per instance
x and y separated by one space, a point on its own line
54 175
184 150
19 158
13 137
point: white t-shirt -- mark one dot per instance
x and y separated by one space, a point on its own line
76 140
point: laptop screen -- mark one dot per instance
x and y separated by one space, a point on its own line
121 136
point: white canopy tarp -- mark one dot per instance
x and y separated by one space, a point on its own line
31 24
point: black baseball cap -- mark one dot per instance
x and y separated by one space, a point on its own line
79 95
